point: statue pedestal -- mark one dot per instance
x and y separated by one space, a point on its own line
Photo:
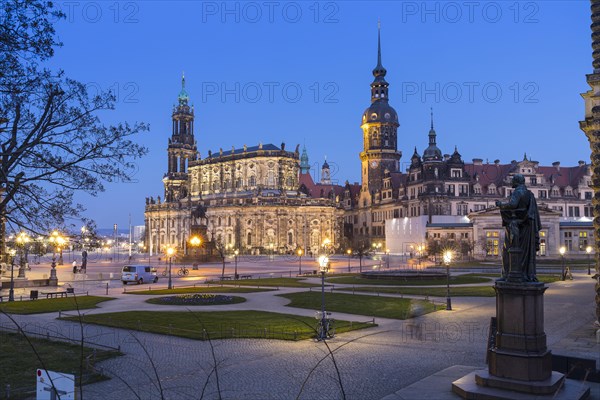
519 363
520 351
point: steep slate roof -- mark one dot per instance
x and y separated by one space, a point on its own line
315 189
497 173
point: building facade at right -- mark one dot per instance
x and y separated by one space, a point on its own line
440 198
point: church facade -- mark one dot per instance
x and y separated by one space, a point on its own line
262 199
251 198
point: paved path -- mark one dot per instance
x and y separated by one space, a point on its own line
372 363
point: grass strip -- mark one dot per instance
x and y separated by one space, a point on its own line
371 306
454 280
270 282
18 362
217 324
468 291
53 305
202 289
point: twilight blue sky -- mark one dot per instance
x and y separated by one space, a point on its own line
299 72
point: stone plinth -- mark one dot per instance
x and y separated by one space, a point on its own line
520 350
519 363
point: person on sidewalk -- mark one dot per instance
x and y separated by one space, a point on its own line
74 266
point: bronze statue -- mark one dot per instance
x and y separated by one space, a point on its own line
521 219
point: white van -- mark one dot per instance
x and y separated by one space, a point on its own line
138 273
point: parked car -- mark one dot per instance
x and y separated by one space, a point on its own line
138 273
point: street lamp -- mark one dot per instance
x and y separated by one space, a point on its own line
299 261
56 240
447 261
323 264
11 292
235 254
170 252
195 241
562 252
349 251
22 240
588 250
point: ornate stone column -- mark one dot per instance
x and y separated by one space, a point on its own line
591 127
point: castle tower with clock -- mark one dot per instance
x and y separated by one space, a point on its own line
379 125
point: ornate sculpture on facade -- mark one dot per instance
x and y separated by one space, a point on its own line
521 218
591 127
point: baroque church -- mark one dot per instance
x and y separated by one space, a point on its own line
262 199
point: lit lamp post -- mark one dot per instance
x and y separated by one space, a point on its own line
22 240
562 252
447 261
323 262
11 291
195 241
349 251
299 261
56 240
235 254
588 250
170 252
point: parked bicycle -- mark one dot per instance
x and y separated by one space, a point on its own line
183 271
325 326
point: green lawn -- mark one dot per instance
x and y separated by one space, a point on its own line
202 289
52 305
371 306
270 282
18 362
218 324
454 280
475 291
546 278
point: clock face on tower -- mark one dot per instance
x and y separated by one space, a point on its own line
374 164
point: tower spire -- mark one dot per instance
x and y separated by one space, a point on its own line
183 95
379 87
431 109
379 70
379 43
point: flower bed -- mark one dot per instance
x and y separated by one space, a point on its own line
196 299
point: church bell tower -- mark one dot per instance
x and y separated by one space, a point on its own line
181 149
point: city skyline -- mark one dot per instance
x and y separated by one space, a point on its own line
256 74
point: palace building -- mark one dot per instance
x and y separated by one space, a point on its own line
262 199
253 199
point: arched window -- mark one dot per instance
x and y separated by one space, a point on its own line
252 181
249 239
290 238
